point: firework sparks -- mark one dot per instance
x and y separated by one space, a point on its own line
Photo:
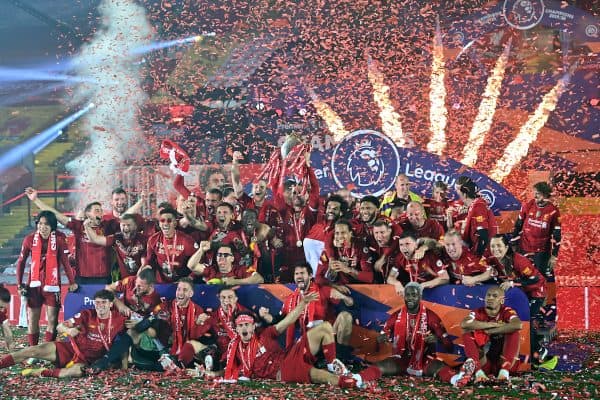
519 147
331 118
390 119
487 108
438 114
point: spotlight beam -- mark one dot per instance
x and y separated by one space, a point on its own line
519 147
37 143
438 114
332 119
487 109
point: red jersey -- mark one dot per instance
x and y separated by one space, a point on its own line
434 325
358 258
467 264
505 315
114 222
182 321
270 355
142 305
93 261
169 257
478 217
430 229
320 310
427 268
538 224
129 252
237 272
363 231
223 325
62 254
322 231
522 270
96 335
267 213
436 210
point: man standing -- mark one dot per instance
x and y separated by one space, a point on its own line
128 243
491 336
480 224
322 231
414 331
422 226
400 197
92 261
91 333
537 230
168 250
48 249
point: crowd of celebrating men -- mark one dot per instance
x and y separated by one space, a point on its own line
222 235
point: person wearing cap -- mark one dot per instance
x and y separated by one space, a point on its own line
537 230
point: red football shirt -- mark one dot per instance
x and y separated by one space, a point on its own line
96 335
468 264
538 224
521 268
62 254
93 261
142 305
129 252
478 217
430 229
169 257
358 258
423 270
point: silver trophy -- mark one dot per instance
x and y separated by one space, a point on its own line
291 141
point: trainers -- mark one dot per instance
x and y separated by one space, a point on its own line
337 367
503 375
481 377
32 371
465 374
209 362
167 363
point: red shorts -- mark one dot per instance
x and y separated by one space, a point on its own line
36 297
65 354
298 362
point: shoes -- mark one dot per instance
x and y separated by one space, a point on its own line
167 363
337 367
503 375
480 377
465 374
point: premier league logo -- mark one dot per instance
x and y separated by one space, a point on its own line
488 196
523 14
365 162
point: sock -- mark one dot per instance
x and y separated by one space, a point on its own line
371 373
329 352
49 336
446 373
7 361
33 339
51 373
186 355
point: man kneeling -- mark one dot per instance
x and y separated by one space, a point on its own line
90 332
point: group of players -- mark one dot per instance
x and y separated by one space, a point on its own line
224 236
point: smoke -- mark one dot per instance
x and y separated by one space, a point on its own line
112 126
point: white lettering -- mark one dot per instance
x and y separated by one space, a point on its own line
428 175
88 301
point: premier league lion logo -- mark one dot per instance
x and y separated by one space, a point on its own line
365 165
523 14
366 162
